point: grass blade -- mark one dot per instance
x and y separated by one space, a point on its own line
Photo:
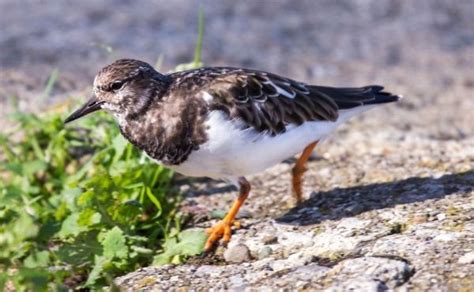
53 78
198 49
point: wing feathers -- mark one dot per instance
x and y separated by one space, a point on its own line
268 102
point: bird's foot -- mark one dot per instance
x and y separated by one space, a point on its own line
221 229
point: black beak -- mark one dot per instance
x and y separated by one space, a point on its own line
91 106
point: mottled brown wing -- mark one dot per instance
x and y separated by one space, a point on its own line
268 102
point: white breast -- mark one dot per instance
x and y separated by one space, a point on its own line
232 152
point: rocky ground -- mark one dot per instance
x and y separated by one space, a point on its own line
385 210
390 197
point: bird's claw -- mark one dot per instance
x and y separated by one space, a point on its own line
220 230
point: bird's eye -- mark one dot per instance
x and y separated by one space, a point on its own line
117 85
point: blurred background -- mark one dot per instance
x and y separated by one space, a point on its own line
421 49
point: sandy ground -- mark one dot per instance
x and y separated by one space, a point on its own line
389 196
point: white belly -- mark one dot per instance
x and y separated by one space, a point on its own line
231 152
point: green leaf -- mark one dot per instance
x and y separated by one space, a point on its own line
9 195
15 167
97 271
141 250
48 230
168 252
119 144
36 148
31 167
81 251
86 198
35 279
25 227
114 244
37 260
189 243
127 212
88 217
155 201
71 226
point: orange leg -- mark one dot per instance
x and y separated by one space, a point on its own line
298 171
223 227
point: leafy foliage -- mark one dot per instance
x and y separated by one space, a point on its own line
177 248
79 201
79 205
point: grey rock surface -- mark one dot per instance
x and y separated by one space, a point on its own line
386 208
359 284
388 271
389 197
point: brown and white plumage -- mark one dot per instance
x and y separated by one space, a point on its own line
224 123
268 102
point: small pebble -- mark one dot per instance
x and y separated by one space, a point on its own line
269 239
244 214
441 216
264 252
420 218
237 254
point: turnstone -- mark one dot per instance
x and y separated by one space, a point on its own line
224 123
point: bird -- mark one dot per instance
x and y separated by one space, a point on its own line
224 123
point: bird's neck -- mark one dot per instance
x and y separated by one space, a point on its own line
166 131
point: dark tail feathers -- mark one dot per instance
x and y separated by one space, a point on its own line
347 98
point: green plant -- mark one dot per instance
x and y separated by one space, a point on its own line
80 205
79 201
196 63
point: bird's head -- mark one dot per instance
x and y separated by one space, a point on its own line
124 88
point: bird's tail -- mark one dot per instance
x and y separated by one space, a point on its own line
350 97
